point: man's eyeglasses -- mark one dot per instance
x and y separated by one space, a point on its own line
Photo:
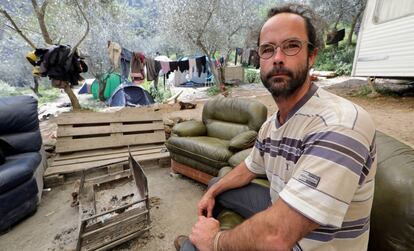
289 47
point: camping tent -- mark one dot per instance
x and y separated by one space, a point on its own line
113 80
86 87
130 95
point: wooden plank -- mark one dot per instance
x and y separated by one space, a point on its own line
85 166
191 172
72 145
108 225
70 130
103 152
103 157
120 116
115 233
124 239
110 177
116 218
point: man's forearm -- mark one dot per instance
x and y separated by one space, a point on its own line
277 228
238 177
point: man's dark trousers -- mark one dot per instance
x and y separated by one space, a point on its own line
246 201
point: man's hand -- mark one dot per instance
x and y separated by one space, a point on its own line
206 205
203 233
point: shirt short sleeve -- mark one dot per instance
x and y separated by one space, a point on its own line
255 160
334 163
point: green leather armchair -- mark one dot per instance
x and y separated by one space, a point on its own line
199 149
392 215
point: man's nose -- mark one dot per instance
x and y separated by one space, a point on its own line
279 56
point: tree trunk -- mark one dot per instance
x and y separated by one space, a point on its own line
216 74
351 31
102 87
73 99
35 88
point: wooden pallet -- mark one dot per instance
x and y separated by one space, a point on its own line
88 140
79 131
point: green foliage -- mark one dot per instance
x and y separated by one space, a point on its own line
252 76
213 90
159 95
49 94
7 90
338 59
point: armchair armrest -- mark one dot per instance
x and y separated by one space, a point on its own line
243 141
190 128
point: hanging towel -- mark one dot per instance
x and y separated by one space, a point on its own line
137 67
201 65
183 66
114 50
165 66
153 69
192 65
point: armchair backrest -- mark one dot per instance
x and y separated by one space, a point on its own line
227 117
392 216
19 125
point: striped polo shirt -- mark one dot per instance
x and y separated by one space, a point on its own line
322 162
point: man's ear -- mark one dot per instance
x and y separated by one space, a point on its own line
312 57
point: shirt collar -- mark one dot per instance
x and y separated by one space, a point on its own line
312 90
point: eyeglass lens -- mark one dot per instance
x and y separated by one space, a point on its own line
288 47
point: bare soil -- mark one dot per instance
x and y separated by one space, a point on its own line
174 198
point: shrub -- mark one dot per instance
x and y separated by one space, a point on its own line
159 95
338 59
252 76
213 90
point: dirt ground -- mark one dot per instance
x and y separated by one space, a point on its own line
173 198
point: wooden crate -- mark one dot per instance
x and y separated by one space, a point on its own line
234 73
113 208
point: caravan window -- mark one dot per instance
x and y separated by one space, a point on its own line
387 10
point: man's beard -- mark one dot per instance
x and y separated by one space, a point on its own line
280 87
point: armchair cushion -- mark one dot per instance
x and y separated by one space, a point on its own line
224 130
227 117
239 157
211 151
17 169
190 128
243 140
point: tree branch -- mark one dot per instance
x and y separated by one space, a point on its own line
87 27
40 14
17 29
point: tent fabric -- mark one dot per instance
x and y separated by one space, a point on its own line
84 89
130 95
113 80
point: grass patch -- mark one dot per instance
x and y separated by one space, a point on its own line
49 94
363 91
366 90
